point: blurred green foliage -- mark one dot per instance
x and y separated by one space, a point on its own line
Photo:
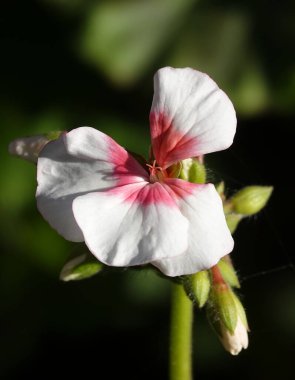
124 39
67 63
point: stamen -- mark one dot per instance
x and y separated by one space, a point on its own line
156 172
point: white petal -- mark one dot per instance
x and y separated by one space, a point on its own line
64 173
208 236
235 342
190 116
134 224
90 144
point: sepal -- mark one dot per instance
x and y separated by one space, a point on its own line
197 287
80 268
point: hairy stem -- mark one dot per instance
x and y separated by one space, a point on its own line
181 335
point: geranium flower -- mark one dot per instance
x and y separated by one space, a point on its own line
91 189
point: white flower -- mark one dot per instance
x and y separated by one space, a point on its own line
91 189
235 342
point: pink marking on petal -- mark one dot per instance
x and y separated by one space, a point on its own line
181 188
166 193
169 145
126 169
146 194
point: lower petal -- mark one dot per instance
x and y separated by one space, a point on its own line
208 236
135 224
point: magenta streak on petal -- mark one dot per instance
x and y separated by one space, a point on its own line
170 145
166 193
146 194
182 189
126 169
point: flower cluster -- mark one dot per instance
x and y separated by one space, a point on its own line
129 211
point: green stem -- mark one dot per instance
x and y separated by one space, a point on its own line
181 335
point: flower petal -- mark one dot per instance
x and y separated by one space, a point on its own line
208 236
133 224
190 116
90 144
79 162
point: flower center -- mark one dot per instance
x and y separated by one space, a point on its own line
156 172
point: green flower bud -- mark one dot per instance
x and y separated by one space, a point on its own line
251 199
197 287
233 221
174 170
193 171
222 299
226 314
81 267
220 187
228 272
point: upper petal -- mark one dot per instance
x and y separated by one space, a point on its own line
79 162
132 224
209 238
190 116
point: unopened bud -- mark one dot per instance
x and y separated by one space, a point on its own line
193 171
233 221
251 199
80 268
235 342
220 188
227 315
174 170
197 287
29 148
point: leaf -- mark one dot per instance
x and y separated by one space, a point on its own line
123 38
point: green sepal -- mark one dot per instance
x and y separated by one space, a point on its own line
241 311
197 287
80 268
251 199
220 187
53 135
222 299
193 171
228 273
233 221
175 170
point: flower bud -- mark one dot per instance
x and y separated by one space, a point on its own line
233 221
197 287
251 199
220 187
29 148
79 268
227 315
193 171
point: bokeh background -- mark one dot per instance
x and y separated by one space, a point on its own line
68 63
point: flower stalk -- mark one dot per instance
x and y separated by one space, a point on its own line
181 334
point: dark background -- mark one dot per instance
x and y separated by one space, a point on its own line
67 63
